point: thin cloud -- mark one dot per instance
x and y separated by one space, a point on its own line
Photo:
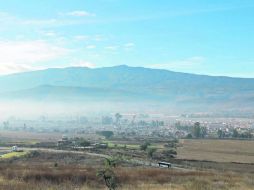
96 38
8 21
91 47
49 33
99 38
18 56
81 37
79 13
112 48
129 46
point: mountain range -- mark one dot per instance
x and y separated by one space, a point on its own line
129 84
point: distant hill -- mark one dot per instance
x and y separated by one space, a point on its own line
67 93
126 83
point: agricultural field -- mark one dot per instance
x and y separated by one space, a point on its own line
26 137
239 151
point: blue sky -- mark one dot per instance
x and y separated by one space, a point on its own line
214 37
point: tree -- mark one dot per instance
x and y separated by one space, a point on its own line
109 178
248 135
196 130
171 143
108 174
142 123
203 132
133 120
220 134
144 146
157 123
235 133
151 151
178 124
6 125
118 116
169 152
85 143
244 135
106 134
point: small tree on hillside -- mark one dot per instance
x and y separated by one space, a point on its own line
151 151
108 174
144 146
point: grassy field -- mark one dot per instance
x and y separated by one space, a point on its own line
14 154
119 144
113 144
217 150
14 177
46 170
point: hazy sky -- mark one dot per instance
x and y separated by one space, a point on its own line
210 37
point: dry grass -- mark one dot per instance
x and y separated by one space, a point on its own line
38 172
15 177
43 177
217 150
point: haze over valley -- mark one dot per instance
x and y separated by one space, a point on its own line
122 87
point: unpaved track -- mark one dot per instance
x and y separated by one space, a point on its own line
133 161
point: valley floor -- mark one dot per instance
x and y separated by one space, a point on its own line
69 171
199 165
